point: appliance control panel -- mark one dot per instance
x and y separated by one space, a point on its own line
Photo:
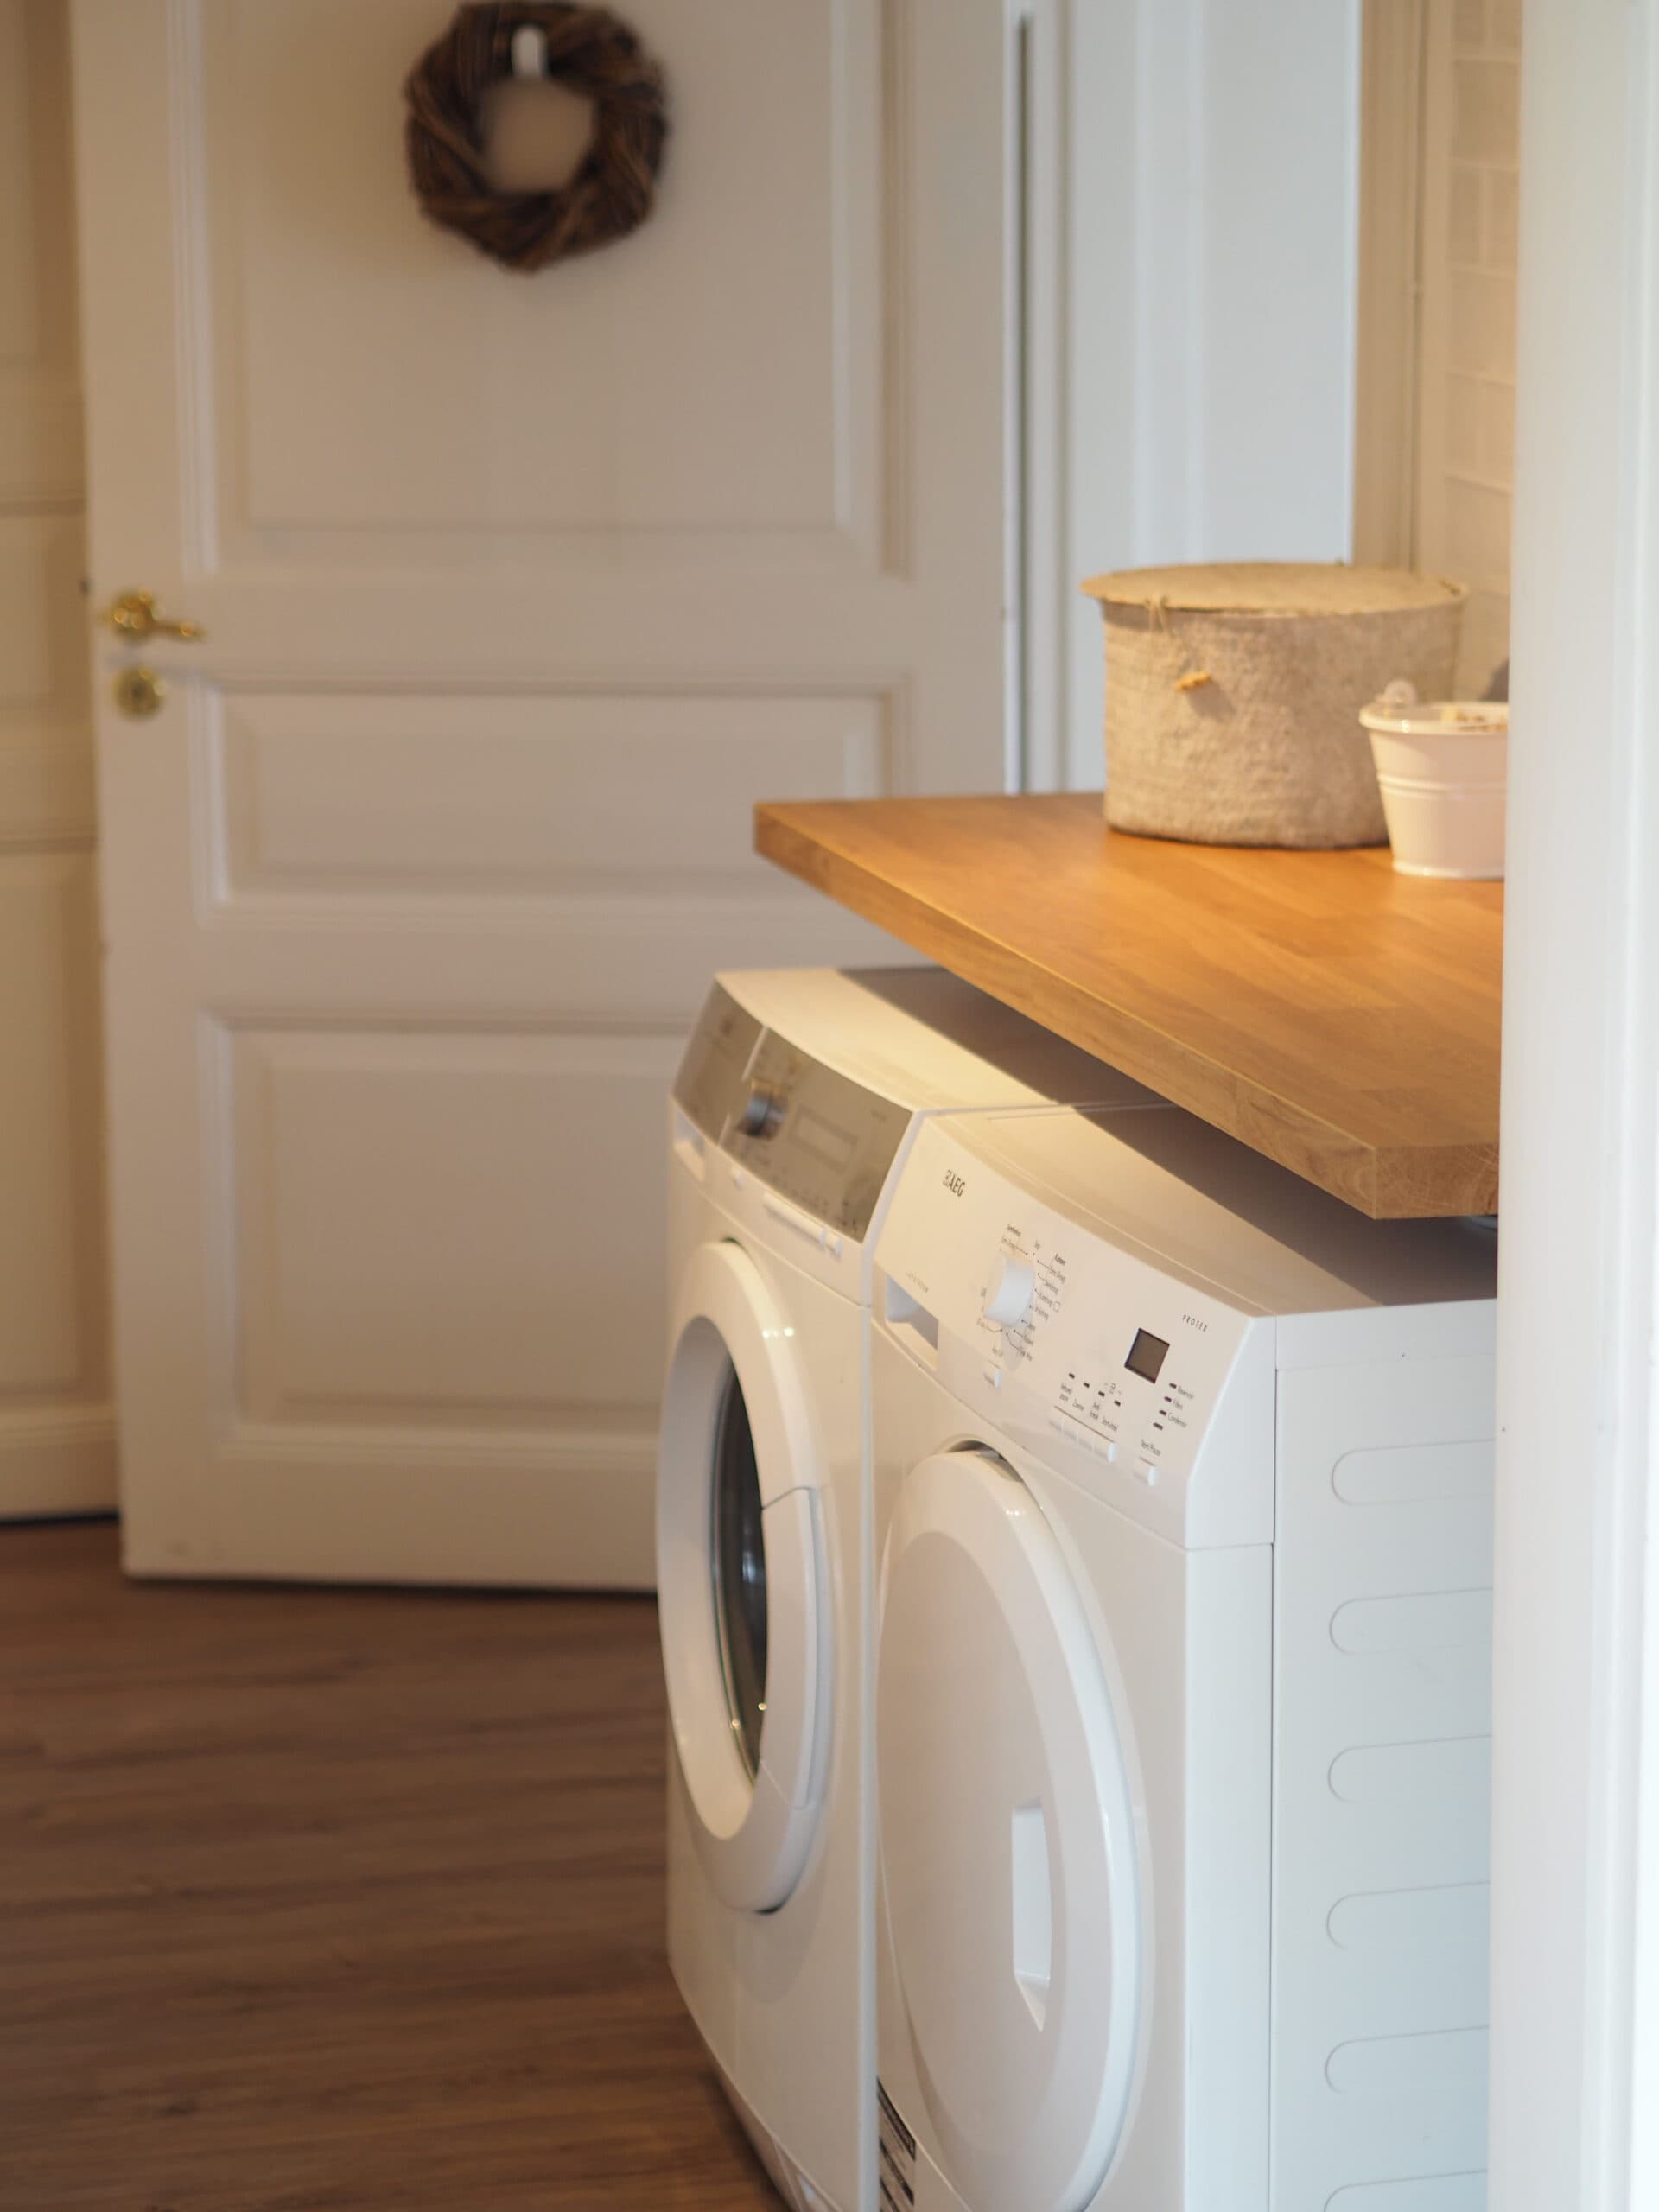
1096 1359
714 1065
819 1139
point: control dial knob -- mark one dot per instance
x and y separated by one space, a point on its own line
761 1112
1013 1286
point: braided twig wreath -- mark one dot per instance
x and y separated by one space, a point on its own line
589 51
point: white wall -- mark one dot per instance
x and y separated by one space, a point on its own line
57 1450
1211 159
1575 1868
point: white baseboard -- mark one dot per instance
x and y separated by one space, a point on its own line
534 1508
57 1459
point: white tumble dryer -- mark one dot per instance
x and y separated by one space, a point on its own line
799 1095
1182 1499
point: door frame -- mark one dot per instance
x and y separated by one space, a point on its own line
1575 1864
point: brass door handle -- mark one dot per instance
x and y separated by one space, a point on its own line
133 616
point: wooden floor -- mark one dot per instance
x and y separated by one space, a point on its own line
336 1902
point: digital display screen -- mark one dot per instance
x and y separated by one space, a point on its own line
1146 1355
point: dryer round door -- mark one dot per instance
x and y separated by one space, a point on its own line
742 1581
1008 1873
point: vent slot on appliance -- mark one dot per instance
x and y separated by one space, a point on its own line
691 1146
912 1323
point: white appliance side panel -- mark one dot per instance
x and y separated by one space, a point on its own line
1448 1327
1381 1771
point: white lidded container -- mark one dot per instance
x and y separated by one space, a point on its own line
1442 769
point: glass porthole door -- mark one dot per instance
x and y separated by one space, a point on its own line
742 1586
740 1568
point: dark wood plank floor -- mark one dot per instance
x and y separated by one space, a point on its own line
320 1901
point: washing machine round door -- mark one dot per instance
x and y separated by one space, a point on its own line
1008 1876
743 1582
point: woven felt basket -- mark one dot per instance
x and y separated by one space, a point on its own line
1233 694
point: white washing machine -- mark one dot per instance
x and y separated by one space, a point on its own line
1183 1497
799 1096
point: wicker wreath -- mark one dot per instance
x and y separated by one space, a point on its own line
589 51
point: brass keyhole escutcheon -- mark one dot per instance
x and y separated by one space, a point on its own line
139 693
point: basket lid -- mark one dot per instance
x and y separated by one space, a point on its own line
1274 587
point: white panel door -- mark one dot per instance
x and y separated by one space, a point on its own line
517 592
56 1436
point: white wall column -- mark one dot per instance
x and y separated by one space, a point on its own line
1212 156
1575 1879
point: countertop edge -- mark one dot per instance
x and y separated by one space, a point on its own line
1360 1173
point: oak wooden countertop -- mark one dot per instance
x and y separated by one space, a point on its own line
1337 1016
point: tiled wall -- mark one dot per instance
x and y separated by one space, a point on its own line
1467 418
